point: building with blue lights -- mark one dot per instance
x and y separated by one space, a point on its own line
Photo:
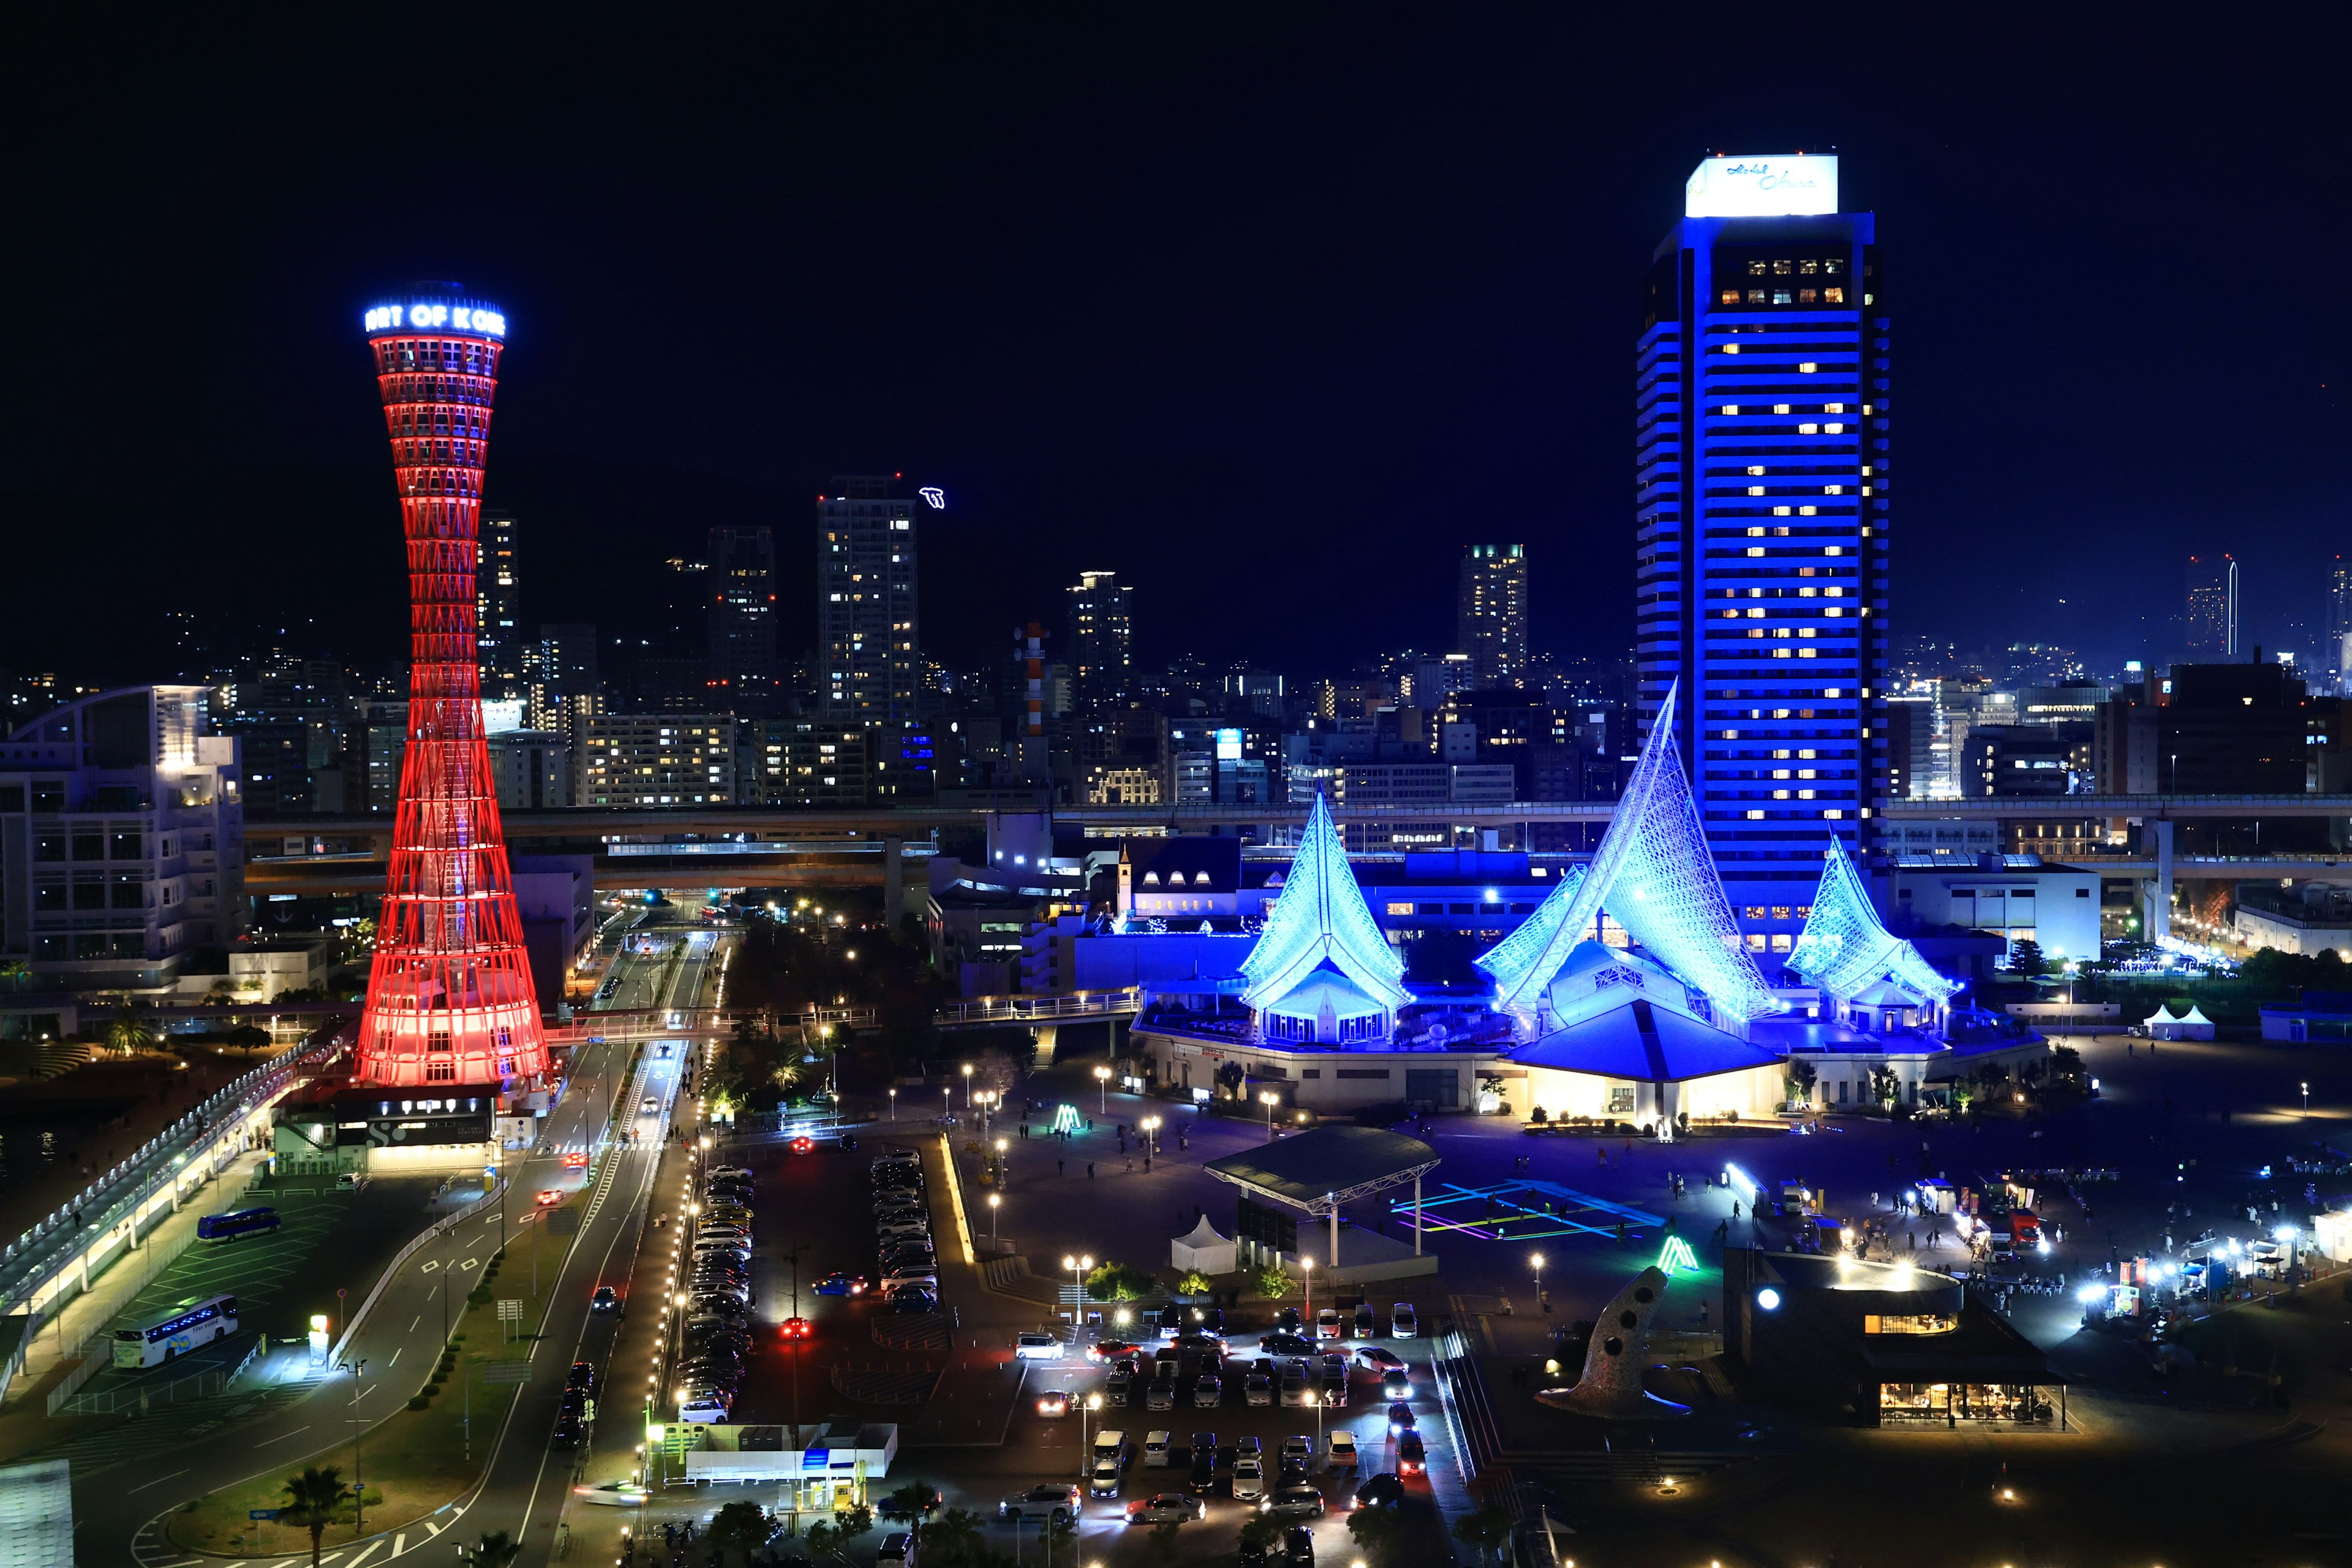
1762 412
1624 997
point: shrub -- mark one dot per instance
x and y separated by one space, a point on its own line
415 1402
1537 1115
479 1296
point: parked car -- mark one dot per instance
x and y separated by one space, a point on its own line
1155 1449
1298 1547
1119 1390
1402 1324
913 1298
1208 1393
1103 1478
1367 1320
1166 1507
582 1378
1284 1344
1326 1324
1257 1389
897 1551
1339 1451
1249 1479
1297 1392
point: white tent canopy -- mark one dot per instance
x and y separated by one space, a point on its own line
2162 1025
1203 1248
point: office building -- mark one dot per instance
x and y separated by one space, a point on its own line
2210 624
656 759
449 998
741 585
2338 618
497 593
1761 419
121 839
563 684
2042 758
868 632
1100 650
1490 614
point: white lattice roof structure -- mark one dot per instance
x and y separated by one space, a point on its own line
1656 877
1844 949
1321 919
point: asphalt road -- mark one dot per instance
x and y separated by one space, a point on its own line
527 1482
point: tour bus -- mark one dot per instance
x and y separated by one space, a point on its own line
194 1323
244 1222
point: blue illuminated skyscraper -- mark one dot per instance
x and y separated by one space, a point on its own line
1762 420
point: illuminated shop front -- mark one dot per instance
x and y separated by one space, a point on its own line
1886 1343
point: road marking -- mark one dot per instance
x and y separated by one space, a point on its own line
395 1355
372 1548
158 1481
414 1322
432 1526
400 1543
280 1438
330 1557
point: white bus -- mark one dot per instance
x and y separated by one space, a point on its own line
190 1324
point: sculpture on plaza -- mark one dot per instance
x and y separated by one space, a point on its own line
1612 1387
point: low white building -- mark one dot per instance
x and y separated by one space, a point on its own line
2053 905
265 971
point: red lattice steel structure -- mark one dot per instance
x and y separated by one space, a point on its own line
449 999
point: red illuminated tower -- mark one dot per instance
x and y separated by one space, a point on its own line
449 1000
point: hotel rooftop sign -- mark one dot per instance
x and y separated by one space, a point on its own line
1794 185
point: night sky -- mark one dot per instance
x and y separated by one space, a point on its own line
1269 310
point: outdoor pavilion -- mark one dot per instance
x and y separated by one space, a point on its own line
1315 1172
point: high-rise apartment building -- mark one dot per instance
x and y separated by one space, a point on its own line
1761 419
563 683
1100 651
741 578
656 759
2337 654
499 592
1490 614
2210 623
868 670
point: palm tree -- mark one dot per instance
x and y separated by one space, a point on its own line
495 1550
127 1032
313 1498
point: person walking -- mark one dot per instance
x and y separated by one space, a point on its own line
1090 1170
1061 1167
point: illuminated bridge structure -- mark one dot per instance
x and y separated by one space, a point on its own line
449 996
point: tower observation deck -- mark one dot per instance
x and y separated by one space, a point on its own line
449 998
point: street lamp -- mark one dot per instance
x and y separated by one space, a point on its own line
1535 1260
994 1201
894 1105
966 1086
1268 1098
1001 1147
1077 1267
1306 1277
1093 1403
1102 1091
947 1100
2306 1097
1150 1135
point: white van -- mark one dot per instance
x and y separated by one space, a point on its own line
1155 1450
1037 1347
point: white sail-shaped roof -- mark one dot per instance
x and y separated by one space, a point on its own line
1845 949
1321 918
1510 961
1655 876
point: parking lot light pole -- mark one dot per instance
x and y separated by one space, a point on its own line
966 1086
894 1105
1102 1087
1092 1403
1268 1098
994 1200
1077 1267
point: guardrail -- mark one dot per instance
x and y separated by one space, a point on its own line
196 1386
624 1024
31 1263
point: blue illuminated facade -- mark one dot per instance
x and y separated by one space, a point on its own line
1762 418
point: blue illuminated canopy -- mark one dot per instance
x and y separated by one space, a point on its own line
1655 874
1321 920
1845 950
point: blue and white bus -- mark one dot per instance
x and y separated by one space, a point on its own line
244 1222
193 1323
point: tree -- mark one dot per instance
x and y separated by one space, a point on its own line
746 1527
1113 1281
128 1031
1375 1532
313 1498
854 1521
1195 1283
1484 1531
1799 1074
1230 1076
1273 1284
496 1549
2025 958
1261 1536
1885 1087
955 1539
